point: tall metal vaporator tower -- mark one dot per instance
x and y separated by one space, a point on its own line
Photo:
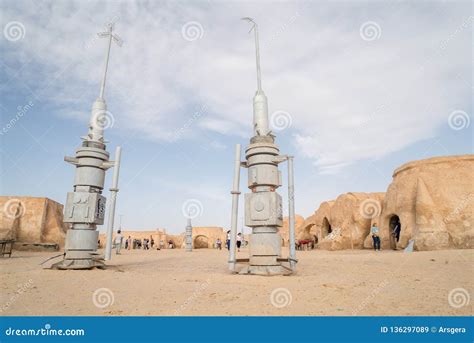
85 206
263 206
189 235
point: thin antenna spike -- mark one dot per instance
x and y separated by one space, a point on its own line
257 51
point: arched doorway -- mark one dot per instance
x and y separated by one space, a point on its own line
394 230
201 242
326 228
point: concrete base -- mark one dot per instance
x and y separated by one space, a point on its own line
266 270
90 263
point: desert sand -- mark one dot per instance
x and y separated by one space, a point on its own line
176 282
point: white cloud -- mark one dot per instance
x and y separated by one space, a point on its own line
349 98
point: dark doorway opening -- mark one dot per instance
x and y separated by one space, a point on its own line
326 227
395 228
201 242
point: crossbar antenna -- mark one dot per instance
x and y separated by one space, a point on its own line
111 36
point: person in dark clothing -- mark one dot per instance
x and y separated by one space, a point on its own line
396 231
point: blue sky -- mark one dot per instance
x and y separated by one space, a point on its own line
368 86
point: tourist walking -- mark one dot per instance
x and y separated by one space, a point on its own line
239 241
219 244
118 242
227 241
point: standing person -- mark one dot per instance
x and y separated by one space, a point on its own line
219 244
129 242
118 242
239 241
152 242
396 231
126 244
227 241
375 236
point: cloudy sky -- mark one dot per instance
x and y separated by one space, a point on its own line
355 89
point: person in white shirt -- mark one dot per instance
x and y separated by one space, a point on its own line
118 242
227 241
375 236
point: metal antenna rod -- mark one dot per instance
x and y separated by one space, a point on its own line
110 35
257 51
235 208
291 215
113 198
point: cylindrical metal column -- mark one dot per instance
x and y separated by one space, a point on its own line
235 208
189 236
291 210
113 197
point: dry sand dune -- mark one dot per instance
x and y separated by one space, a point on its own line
174 282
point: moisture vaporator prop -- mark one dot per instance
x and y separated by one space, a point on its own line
263 206
189 235
85 206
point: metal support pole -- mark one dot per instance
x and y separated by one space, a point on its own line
235 208
113 197
291 210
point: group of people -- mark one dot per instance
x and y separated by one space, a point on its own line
376 238
145 243
148 244
238 241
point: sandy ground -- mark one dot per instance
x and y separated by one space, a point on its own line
174 282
